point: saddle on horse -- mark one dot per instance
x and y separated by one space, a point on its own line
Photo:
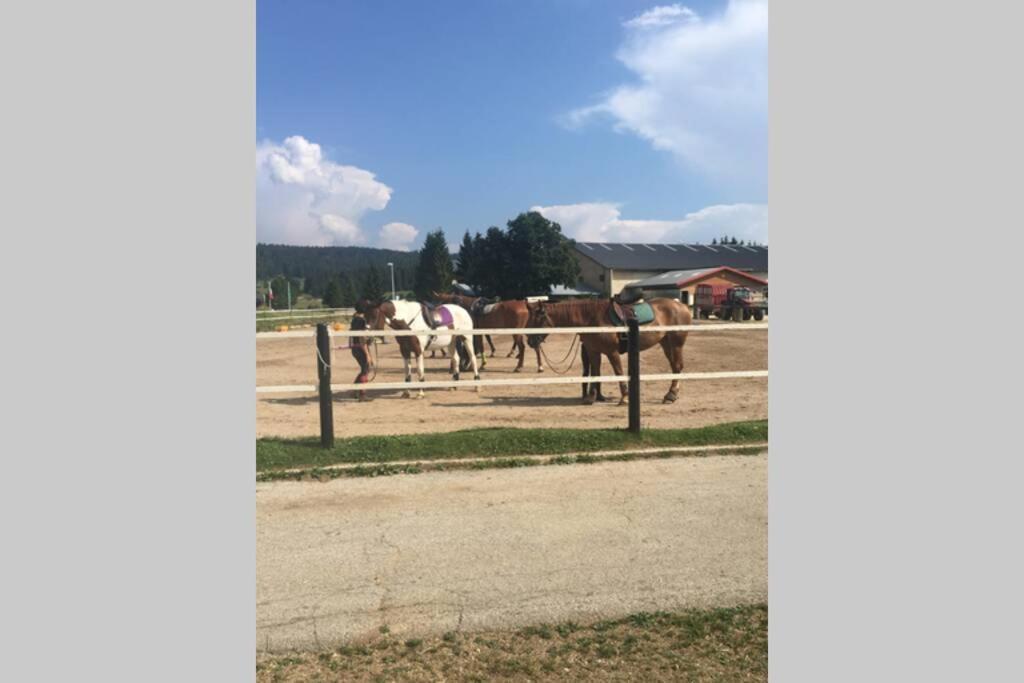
478 307
437 316
620 313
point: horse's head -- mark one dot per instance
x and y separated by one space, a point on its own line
377 313
538 318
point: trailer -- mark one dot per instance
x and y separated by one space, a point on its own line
730 303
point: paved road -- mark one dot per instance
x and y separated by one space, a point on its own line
469 550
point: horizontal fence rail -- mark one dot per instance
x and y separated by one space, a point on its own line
444 332
282 311
444 384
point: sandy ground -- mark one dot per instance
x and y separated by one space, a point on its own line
293 361
429 553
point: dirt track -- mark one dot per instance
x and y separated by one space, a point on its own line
447 551
292 361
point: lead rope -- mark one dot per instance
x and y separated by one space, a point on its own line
574 348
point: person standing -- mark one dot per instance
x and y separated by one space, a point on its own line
360 351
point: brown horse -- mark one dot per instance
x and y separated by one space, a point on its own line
503 314
598 314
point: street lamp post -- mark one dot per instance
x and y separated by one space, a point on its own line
392 267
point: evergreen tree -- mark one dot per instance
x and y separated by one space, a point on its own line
491 253
435 271
373 284
714 241
280 287
332 295
466 269
348 291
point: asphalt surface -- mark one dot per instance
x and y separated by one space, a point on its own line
429 553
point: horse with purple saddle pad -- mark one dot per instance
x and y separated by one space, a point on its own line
438 316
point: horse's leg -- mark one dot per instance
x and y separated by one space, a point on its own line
454 350
472 363
586 371
672 344
515 346
540 365
419 370
616 360
490 342
408 372
480 350
520 346
595 371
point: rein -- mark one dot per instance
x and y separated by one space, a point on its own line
574 348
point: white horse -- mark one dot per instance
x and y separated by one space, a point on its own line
410 314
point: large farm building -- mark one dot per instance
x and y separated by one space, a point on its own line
611 267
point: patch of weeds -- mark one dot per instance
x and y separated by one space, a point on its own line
544 631
642 619
413 643
509 667
384 629
567 627
449 637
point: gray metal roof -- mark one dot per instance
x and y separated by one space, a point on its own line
669 279
641 256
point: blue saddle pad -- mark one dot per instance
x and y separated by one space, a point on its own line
641 311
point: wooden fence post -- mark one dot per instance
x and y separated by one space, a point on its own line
633 362
323 371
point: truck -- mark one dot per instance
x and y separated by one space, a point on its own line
730 303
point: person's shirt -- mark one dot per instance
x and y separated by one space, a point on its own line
358 323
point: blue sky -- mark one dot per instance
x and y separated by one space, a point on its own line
378 121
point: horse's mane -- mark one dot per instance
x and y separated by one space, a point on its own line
579 311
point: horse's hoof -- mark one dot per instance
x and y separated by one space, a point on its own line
406 394
602 399
519 369
623 401
540 369
588 401
670 398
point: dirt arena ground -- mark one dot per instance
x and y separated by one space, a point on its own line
293 361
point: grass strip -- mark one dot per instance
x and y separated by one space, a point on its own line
278 454
387 470
729 644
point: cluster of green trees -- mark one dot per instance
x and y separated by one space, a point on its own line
525 259
733 242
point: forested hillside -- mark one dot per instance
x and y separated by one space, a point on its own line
316 267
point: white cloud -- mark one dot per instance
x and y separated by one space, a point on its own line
399 236
304 198
701 89
662 16
603 222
